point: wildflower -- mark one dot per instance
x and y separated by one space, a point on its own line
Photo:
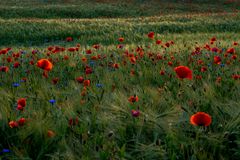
88 70
183 72
217 60
133 99
80 79
201 119
6 150
162 72
13 124
120 46
52 101
88 51
133 60
213 39
86 82
170 63
135 113
51 134
69 39
203 68
231 50
235 43
151 35
158 42
21 121
115 65
167 44
92 63
84 59
4 68
99 85
235 76
96 46
121 39
15 84
71 49
44 64
234 57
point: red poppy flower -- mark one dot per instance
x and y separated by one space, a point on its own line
9 59
84 59
133 60
115 65
120 46
203 69
94 58
217 60
234 56
16 64
69 39
86 82
151 35
44 64
167 44
96 46
50 133
13 124
88 51
231 50
4 69
236 77
50 48
170 63
21 121
213 39
133 99
201 119
88 70
158 41
162 72
71 49
235 43
214 49
22 102
183 72
80 79
121 39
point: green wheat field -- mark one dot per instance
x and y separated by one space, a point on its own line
119 79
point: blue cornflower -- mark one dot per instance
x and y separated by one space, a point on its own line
91 63
99 85
15 84
52 101
222 65
6 150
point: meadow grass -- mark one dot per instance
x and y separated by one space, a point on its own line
106 128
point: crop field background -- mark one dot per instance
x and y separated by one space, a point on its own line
120 79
